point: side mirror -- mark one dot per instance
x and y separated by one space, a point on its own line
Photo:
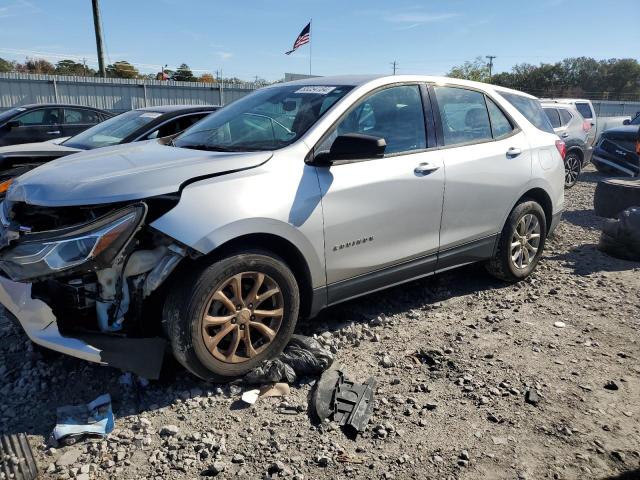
13 124
626 122
353 147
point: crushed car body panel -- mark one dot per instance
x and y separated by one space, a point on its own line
122 173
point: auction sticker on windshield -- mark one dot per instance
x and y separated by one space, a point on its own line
318 89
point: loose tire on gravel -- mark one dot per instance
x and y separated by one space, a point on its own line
525 231
613 195
572 169
225 318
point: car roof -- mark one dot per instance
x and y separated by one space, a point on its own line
564 100
358 80
179 108
40 105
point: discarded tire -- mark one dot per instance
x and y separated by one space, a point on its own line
613 195
621 236
16 458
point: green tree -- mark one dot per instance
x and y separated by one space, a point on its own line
476 70
122 69
70 67
183 74
7 66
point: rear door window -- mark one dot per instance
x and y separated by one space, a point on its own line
531 109
565 116
464 115
584 109
78 116
553 116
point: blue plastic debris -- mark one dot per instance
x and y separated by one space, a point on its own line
77 421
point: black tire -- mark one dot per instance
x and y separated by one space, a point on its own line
501 265
185 307
572 169
614 195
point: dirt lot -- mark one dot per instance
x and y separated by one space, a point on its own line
464 417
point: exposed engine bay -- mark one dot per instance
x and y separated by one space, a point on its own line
97 267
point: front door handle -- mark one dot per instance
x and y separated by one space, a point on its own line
565 135
425 168
513 152
54 132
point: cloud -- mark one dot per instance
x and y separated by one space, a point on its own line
19 7
224 55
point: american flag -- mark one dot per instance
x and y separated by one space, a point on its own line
302 39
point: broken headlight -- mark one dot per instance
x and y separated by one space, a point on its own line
61 250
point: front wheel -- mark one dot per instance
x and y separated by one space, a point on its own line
229 316
572 169
521 243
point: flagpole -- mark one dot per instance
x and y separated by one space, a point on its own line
310 40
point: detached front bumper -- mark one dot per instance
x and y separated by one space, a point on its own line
40 324
142 356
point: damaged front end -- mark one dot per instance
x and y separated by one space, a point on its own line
95 267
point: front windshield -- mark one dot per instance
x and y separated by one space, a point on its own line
268 119
10 113
111 131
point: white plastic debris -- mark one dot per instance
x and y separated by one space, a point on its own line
250 396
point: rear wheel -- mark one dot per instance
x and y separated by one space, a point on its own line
521 243
572 169
228 317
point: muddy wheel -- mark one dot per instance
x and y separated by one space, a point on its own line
228 317
521 243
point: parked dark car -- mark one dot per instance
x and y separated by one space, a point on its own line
569 124
618 150
132 126
41 122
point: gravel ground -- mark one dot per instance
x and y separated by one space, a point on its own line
568 335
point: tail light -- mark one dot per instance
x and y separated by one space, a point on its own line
562 148
586 125
637 150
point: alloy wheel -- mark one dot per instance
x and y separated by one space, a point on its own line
242 317
571 170
525 241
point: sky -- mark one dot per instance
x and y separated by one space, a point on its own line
248 38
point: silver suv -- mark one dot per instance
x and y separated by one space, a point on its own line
573 129
299 196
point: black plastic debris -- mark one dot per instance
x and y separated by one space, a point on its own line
302 357
347 403
621 236
16 458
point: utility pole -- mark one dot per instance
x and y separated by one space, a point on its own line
98 28
490 57
395 66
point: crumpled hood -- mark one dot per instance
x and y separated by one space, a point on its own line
123 172
38 148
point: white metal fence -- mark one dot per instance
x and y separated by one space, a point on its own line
113 94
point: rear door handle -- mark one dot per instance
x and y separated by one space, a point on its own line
513 152
54 132
425 168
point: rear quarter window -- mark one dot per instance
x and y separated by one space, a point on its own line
584 109
531 109
565 116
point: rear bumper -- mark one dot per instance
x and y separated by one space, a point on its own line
39 323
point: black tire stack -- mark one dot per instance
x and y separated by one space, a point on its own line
613 195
